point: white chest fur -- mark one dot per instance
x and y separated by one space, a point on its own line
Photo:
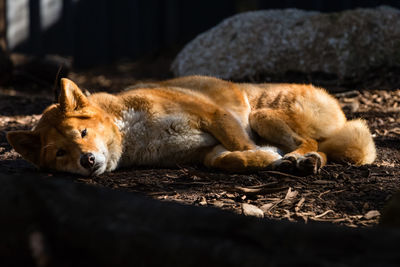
164 140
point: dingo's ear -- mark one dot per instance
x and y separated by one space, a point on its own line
71 97
26 143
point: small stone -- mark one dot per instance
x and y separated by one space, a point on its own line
251 210
372 214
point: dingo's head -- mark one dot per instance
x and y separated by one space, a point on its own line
73 136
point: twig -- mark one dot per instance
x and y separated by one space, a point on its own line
267 185
352 93
329 191
323 214
323 193
258 191
298 178
192 183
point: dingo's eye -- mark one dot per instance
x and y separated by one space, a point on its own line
61 152
84 133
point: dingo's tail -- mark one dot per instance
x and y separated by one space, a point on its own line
352 143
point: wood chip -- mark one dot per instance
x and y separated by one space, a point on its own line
202 201
267 207
217 203
251 210
299 204
228 200
291 194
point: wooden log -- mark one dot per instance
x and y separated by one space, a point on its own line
63 223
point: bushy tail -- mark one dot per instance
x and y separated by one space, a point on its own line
352 143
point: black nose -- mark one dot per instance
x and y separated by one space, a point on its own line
88 160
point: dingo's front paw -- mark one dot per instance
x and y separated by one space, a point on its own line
310 163
286 164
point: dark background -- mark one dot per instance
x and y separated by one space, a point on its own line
98 32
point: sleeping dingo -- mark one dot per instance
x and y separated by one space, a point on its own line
229 126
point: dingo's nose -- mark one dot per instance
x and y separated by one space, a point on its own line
87 160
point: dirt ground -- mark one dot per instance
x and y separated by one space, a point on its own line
339 194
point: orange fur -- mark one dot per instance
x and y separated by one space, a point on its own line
197 119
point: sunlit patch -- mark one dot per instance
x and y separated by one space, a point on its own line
161 141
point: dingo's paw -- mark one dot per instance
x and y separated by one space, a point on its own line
286 164
294 163
310 163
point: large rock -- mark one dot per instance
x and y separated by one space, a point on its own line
346 44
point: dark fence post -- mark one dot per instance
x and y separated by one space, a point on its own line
3 25
35 33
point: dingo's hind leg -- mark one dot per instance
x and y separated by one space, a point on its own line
302 152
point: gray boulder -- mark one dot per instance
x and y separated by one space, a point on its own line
347 44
